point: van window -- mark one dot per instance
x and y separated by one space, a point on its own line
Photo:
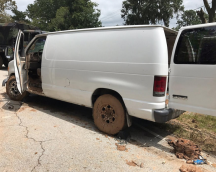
196 46
38 45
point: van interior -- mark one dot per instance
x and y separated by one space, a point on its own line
33 65
170 37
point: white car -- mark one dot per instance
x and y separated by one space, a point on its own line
121 71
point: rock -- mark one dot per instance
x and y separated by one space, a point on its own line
189 161
214 165
208 163
190 168
142 165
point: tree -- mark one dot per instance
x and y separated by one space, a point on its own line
189 17
52 15
6 5
19 16
136 12
210 10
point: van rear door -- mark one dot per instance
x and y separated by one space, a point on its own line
192 83
19 63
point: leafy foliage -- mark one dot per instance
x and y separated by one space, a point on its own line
6 5
19 16
53 15
189 17
150 12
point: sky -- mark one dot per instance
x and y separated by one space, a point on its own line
111 10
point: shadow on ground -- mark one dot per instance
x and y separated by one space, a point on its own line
3 68
82 116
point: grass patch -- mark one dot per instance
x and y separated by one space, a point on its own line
199 121
198 128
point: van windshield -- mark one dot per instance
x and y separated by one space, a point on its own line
197 46
38 45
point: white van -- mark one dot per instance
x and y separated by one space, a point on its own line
121 71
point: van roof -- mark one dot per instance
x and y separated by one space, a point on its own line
198 26
173 32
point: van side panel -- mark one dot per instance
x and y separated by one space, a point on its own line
75 64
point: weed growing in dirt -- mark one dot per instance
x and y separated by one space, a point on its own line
199 121
198 128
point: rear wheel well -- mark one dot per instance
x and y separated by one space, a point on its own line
12 74
101 91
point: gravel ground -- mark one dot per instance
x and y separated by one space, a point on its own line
41 134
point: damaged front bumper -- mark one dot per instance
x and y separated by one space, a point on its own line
164 115
4 81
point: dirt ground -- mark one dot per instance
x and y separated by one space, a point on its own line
41 134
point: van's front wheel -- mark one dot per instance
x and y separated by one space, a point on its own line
109 114
12 90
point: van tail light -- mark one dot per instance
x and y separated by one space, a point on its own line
159 86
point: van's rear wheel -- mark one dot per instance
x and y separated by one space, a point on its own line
109 114
12 90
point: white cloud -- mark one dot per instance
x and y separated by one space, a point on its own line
111 10
22 4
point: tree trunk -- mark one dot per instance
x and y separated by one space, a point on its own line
211 11
201 15
211 18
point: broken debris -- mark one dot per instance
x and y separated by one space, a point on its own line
214 165
135 163
185 149
121 147
190 168
131 163
199 161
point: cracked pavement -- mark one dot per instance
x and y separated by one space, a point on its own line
41 134
40 142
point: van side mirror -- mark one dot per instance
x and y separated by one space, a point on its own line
9 52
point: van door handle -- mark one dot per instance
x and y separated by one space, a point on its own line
180 97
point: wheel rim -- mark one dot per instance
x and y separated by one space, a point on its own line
13 89
108 114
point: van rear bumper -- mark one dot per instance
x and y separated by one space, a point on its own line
164 115
151 111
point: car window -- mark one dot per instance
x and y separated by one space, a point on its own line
38 45
197 46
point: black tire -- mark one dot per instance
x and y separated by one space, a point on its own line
1 62
12 91
109 114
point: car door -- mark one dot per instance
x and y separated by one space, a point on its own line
192 83
19 63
